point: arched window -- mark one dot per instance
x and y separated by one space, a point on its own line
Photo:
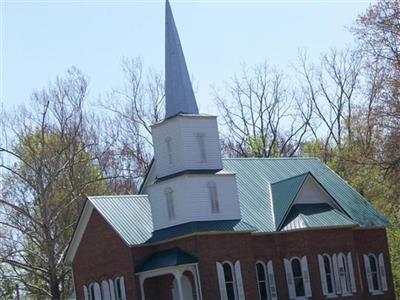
94 291
376 273
213 194
344 274
298 277
230 284
169 197
202 146
375 276
119 288
168 144
230 280
105 289
330 280
262 281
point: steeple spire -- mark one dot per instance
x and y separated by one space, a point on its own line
179 96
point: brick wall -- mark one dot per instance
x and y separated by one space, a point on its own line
102 254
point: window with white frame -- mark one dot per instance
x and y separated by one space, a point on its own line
119 288
213 194
169 198
202 146
105 289
94 291
298 278
337 274
266 281
346 274
327 276
168 145
110 289
230 280
376 273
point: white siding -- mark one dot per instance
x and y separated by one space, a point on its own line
311 192
183 132
192 201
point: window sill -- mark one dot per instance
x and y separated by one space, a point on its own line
377 293
347 295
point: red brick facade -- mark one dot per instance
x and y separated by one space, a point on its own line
103 255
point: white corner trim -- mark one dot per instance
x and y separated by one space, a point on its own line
272 204
78 233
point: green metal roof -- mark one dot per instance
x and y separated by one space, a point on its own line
257 179
167 258
203 226
283 194
130 216
315 215
255 174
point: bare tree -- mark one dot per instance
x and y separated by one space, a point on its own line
263 116
131 110
378 32
47 169
331 87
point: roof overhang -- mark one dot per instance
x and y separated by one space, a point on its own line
83 220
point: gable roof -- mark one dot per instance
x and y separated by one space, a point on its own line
254 175
315 216
130 216
266 190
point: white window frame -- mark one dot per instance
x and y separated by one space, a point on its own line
169 201
168 146
237 281
122 295
105 290
200 137
381 273
305 276
213 195
85 293
324 275
344 274
222 280
91 292
377 273
269 282
95 292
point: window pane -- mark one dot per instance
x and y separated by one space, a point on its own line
202 147
299 286
230 291
329 283
212 191
263 291
372 262
260 272
296 268
228 272
327 264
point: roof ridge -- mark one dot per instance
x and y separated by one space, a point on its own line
117 196
271 158
293 177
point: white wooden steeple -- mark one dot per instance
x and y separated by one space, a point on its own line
190 184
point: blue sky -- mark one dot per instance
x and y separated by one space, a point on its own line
41 39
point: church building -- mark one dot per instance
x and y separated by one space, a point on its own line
208 228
